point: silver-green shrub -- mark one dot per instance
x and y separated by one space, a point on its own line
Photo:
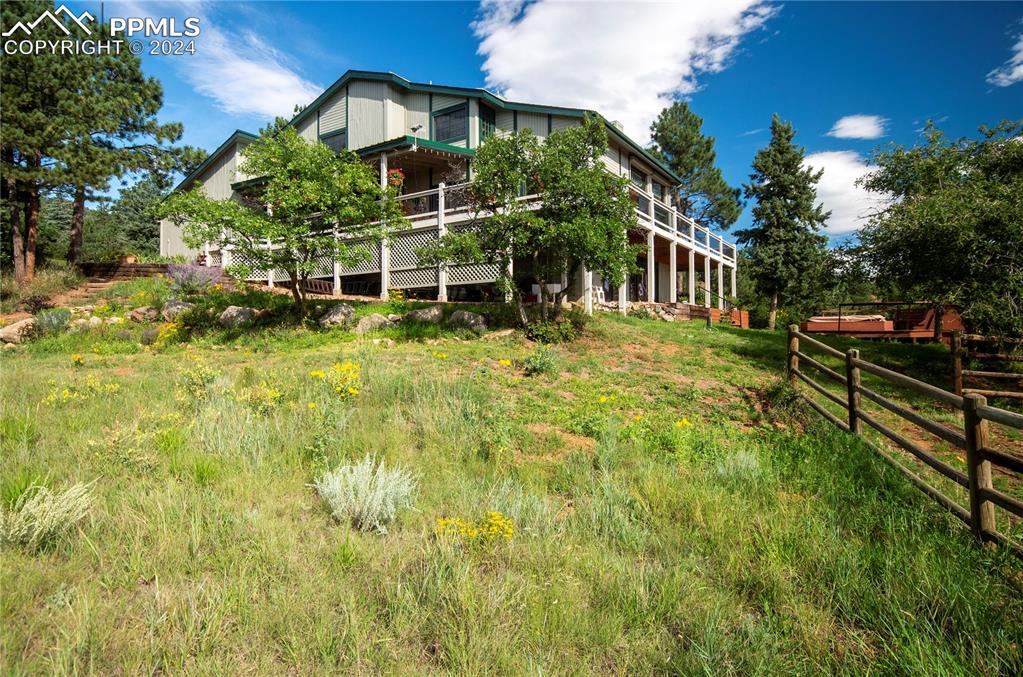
39 517
367 494
51 321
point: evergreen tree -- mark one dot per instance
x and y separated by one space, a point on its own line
785 249
703 195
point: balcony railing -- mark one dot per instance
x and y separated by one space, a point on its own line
423 211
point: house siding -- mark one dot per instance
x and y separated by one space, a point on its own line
442 101
535 121
333 114
366 113
417 112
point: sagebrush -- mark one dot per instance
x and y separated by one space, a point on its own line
367 494
40 517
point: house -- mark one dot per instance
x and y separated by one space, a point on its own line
430 133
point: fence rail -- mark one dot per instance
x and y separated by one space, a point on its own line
974 437
961 352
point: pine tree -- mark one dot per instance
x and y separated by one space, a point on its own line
784 246
703 195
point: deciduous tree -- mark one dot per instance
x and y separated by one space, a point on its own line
312 204
954 232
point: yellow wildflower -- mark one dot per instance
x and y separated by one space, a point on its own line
505 362
312 405
682 423
77 360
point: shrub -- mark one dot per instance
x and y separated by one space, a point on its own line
542 361
39 517
51 321
196 383
191 278
368 494
551 331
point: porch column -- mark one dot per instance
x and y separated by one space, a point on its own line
270 271
691 277
385 247
735 292
673 273
706 279
442 229
623 296
511 279
587 291
651 264
721 286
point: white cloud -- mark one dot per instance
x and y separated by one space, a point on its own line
859 127
626 60
240 71
849 204
1011 71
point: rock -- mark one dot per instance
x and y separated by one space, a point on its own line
78 324
432 314
144 314
173 308
236 315
499 334
372 323
20 330
463 319
10 346
123 335
115 320
341 314
94 322
394 318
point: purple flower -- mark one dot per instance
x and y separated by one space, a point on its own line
191 278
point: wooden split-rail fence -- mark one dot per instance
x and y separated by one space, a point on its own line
985 349
973 438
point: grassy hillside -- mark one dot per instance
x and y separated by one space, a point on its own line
673 510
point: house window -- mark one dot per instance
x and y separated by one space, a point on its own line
658 190
336 141
488 122
451 124
638 177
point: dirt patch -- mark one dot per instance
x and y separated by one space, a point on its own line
569 442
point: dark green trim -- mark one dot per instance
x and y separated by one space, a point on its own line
515 121
483 94
550 124
348 111
238 135
241 185
407 141
446 111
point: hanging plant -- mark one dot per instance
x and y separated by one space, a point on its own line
395 177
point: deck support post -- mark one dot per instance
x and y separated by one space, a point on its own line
442 230
706 279
335 269
691 277
623 296
385 247
672 272
721 286
651 280
587 291
734 290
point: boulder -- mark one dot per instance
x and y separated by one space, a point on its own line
115 320
10 346
173 308
463 319
144 314
372 323
94 322
394 318
341 314
78 324
234 316
432 314
17 332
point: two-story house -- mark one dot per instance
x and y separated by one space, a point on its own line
431 132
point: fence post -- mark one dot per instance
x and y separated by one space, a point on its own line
852 378
957 362
793 365
982 511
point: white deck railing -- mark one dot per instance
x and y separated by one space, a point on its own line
422 211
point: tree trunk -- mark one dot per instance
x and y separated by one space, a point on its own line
939 321
520 307
772 317
14 197
74 251
31 231
296 290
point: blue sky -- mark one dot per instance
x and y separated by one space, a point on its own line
883 67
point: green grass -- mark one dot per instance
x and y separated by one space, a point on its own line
48 281
676 511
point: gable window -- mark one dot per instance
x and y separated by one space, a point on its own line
488 122
451 124
658 191
336 141
638 177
